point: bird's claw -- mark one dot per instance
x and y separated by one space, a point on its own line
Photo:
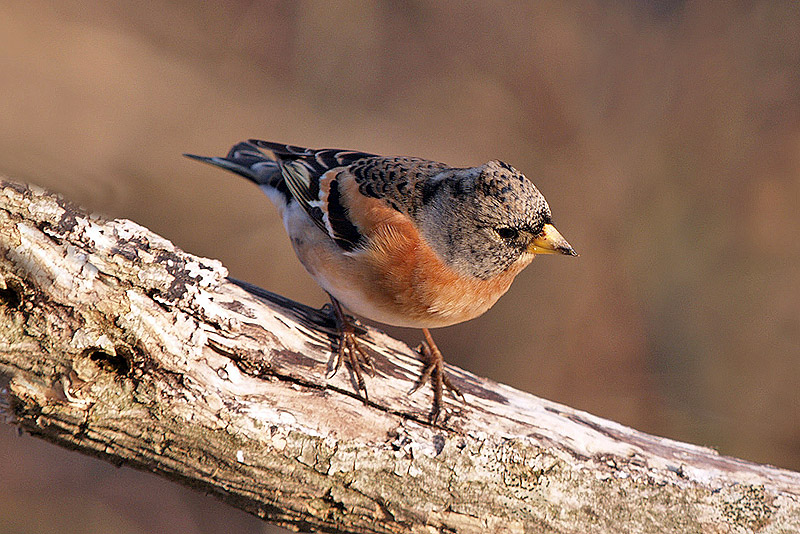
434 371
349 345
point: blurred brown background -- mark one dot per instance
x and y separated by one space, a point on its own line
665 135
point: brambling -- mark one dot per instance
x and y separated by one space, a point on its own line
403 241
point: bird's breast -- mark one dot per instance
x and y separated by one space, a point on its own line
396 279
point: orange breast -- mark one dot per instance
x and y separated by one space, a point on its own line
402 281
406 275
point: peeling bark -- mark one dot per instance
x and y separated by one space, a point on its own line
115 343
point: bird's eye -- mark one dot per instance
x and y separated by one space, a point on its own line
507 233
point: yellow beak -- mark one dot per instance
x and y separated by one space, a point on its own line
549 241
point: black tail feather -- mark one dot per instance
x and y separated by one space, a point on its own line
246 160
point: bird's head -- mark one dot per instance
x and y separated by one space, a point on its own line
482 220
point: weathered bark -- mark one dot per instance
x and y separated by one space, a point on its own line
115 343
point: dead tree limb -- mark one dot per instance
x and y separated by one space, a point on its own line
115 343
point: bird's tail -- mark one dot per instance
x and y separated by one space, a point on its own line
246 160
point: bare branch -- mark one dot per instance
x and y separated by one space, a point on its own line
115 343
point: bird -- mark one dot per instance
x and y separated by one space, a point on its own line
403 241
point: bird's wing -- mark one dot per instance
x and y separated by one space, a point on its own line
328 184
302 169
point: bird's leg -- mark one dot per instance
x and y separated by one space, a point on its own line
434 369
357 357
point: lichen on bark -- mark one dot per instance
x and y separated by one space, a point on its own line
116 343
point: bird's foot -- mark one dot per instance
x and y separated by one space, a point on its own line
349 347
434 370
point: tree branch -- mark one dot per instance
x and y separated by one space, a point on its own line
115 343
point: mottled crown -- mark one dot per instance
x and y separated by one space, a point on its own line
481 220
